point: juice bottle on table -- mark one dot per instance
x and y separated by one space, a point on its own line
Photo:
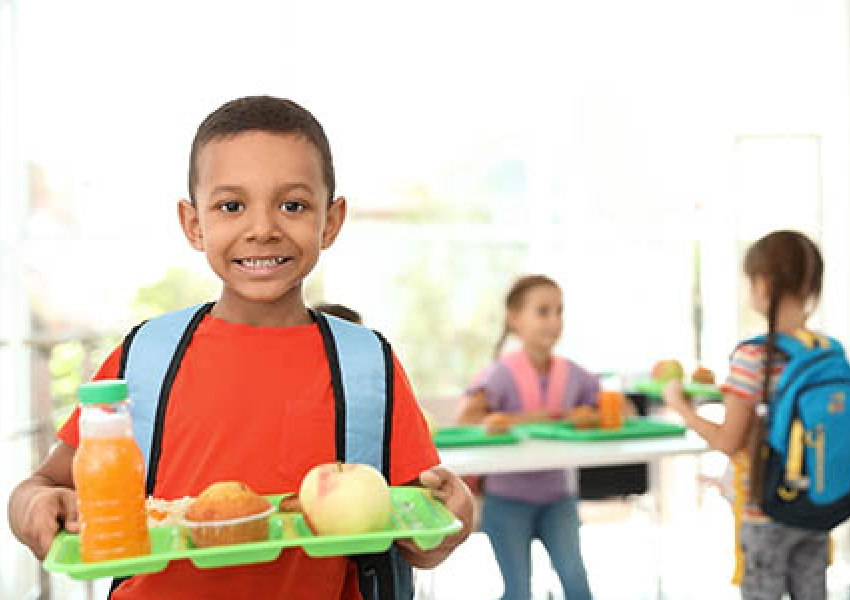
611 404
109 476
610 409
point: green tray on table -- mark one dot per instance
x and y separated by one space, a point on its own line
655 389
638 427
416 514
472 435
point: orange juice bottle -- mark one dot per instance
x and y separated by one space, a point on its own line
611 403
610 409
109 476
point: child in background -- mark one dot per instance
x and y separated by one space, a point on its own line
785 271
530 385
252 399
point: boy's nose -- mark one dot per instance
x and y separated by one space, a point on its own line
263 226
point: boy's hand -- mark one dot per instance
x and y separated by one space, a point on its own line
454 493
44 513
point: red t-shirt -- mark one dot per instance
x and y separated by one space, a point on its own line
255 404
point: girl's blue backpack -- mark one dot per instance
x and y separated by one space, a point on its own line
807 471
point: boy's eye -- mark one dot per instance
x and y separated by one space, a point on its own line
292 206
231 206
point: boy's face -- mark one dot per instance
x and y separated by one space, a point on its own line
261 216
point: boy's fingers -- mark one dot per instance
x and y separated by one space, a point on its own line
68 512
406 543
434 478
61 511
45 539
48 527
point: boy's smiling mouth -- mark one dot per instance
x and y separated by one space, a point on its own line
260 264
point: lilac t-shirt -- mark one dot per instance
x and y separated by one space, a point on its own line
540 487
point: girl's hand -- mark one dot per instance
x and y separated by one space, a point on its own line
674 397
497 422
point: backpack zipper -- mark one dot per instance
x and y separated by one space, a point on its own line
818 441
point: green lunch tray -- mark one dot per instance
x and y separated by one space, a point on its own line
416 515
632 428
472 435
655 390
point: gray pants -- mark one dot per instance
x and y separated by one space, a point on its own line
781 559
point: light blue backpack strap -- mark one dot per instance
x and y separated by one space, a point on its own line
147 361
363 373
361 365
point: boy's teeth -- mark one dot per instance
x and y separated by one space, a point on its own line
262 262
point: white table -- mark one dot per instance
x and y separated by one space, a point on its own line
540 455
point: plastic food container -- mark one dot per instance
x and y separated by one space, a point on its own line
206 534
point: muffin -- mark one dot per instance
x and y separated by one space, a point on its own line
228 512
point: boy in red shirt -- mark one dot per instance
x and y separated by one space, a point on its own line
252 399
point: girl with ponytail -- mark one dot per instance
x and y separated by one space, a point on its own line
785 271
532 384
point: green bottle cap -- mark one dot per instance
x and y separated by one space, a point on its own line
103 392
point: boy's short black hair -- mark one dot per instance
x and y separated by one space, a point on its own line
262 113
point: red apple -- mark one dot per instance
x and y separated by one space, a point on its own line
345 499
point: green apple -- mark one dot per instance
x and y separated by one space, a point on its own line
668 370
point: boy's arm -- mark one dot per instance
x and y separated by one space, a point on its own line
453 492
45 502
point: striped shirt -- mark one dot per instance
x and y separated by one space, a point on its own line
746 372
746 381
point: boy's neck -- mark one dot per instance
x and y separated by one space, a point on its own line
286 312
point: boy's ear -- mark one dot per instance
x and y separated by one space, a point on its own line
333 221
188 214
